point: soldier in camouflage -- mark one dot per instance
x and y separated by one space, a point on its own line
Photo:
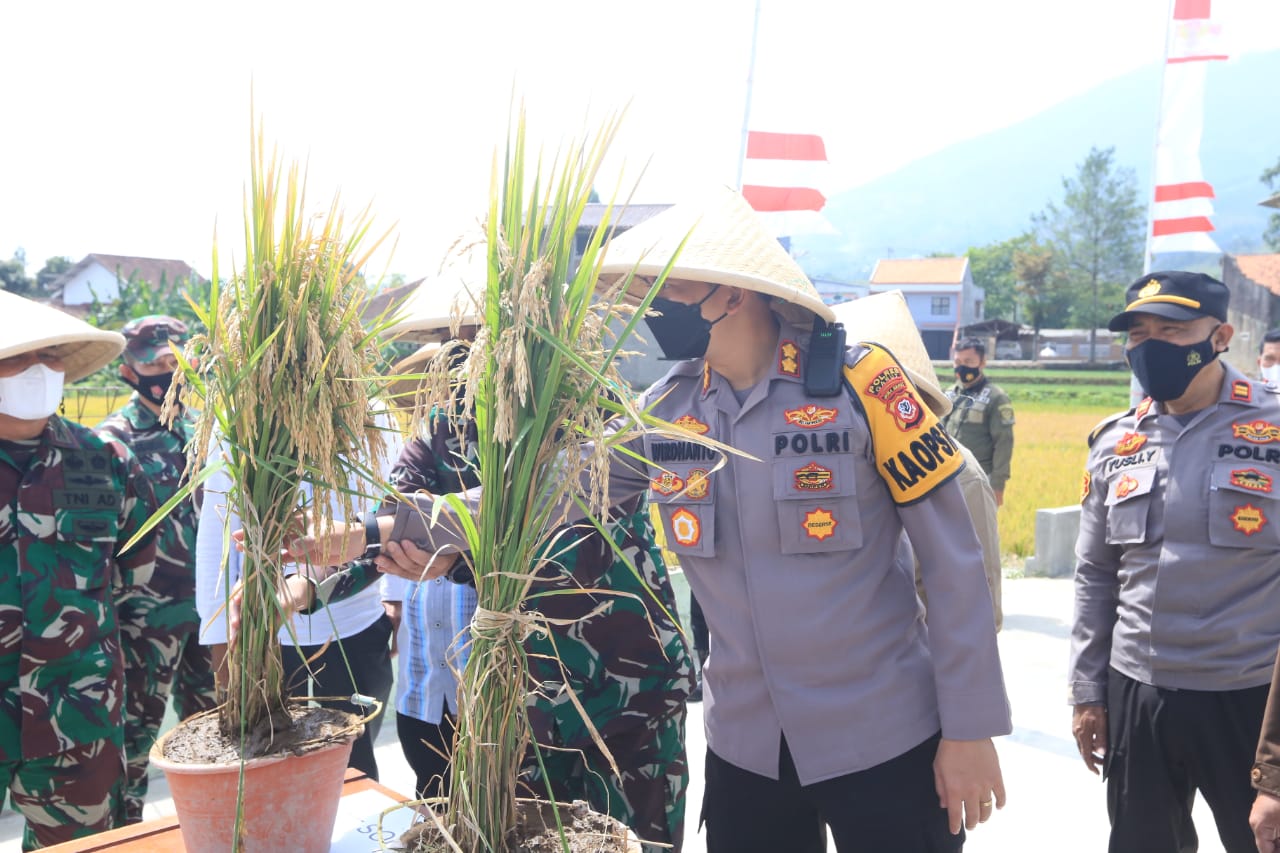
158 620
72 501
624 658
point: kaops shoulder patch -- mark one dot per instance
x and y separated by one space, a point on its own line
914 454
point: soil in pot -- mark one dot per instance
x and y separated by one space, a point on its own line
290 797
586 831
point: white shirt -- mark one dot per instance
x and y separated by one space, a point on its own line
340 619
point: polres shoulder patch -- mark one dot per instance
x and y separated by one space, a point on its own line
914 455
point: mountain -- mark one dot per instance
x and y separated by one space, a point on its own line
984 189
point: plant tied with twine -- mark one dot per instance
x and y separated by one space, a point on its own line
540 391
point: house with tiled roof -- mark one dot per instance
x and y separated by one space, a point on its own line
100 275
1254 282
940 293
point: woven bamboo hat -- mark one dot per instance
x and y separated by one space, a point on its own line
884 319
426 315
27 325
727 244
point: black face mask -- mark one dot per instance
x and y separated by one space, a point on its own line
152 388
968 375
1165 370
682 332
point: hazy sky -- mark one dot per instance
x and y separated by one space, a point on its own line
126 124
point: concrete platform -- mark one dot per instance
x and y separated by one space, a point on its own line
1054 803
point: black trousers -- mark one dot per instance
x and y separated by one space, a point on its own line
425 746
889 808
1163 745
368 654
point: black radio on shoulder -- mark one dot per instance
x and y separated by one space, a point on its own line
824 363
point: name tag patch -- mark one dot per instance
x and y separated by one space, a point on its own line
1248 519
819 524
1269 455
1112 464
806 443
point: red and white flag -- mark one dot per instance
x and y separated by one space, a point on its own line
783 176
1183 199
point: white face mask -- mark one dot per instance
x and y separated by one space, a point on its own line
1272 373
32 394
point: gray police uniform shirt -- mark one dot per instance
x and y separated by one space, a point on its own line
1178 559
816 629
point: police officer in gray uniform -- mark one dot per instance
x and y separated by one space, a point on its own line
1178 575
828 701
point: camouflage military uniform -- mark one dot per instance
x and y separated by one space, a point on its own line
158 620
982 419
72 500
629 668
628 665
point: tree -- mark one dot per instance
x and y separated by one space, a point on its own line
1040 286
53 268
1095 237
13 274
1271 177
992 267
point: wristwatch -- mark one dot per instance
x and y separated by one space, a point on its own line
372 536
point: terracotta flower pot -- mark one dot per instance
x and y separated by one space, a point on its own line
290 801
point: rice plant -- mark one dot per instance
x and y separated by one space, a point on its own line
540 384
281 377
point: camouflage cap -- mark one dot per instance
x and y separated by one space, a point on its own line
147 338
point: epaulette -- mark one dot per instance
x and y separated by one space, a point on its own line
1106 422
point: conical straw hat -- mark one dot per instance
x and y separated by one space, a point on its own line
428 312
28 325
727 244
884 319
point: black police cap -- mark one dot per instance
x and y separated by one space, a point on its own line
1175 295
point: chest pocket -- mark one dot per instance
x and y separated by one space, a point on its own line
86 525
1243 510
817 503
1129 505
685 497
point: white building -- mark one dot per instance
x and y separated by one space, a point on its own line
940 294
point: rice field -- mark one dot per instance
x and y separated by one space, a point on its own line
1048 461
88 405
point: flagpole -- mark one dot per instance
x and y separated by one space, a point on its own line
746 110
1155 149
